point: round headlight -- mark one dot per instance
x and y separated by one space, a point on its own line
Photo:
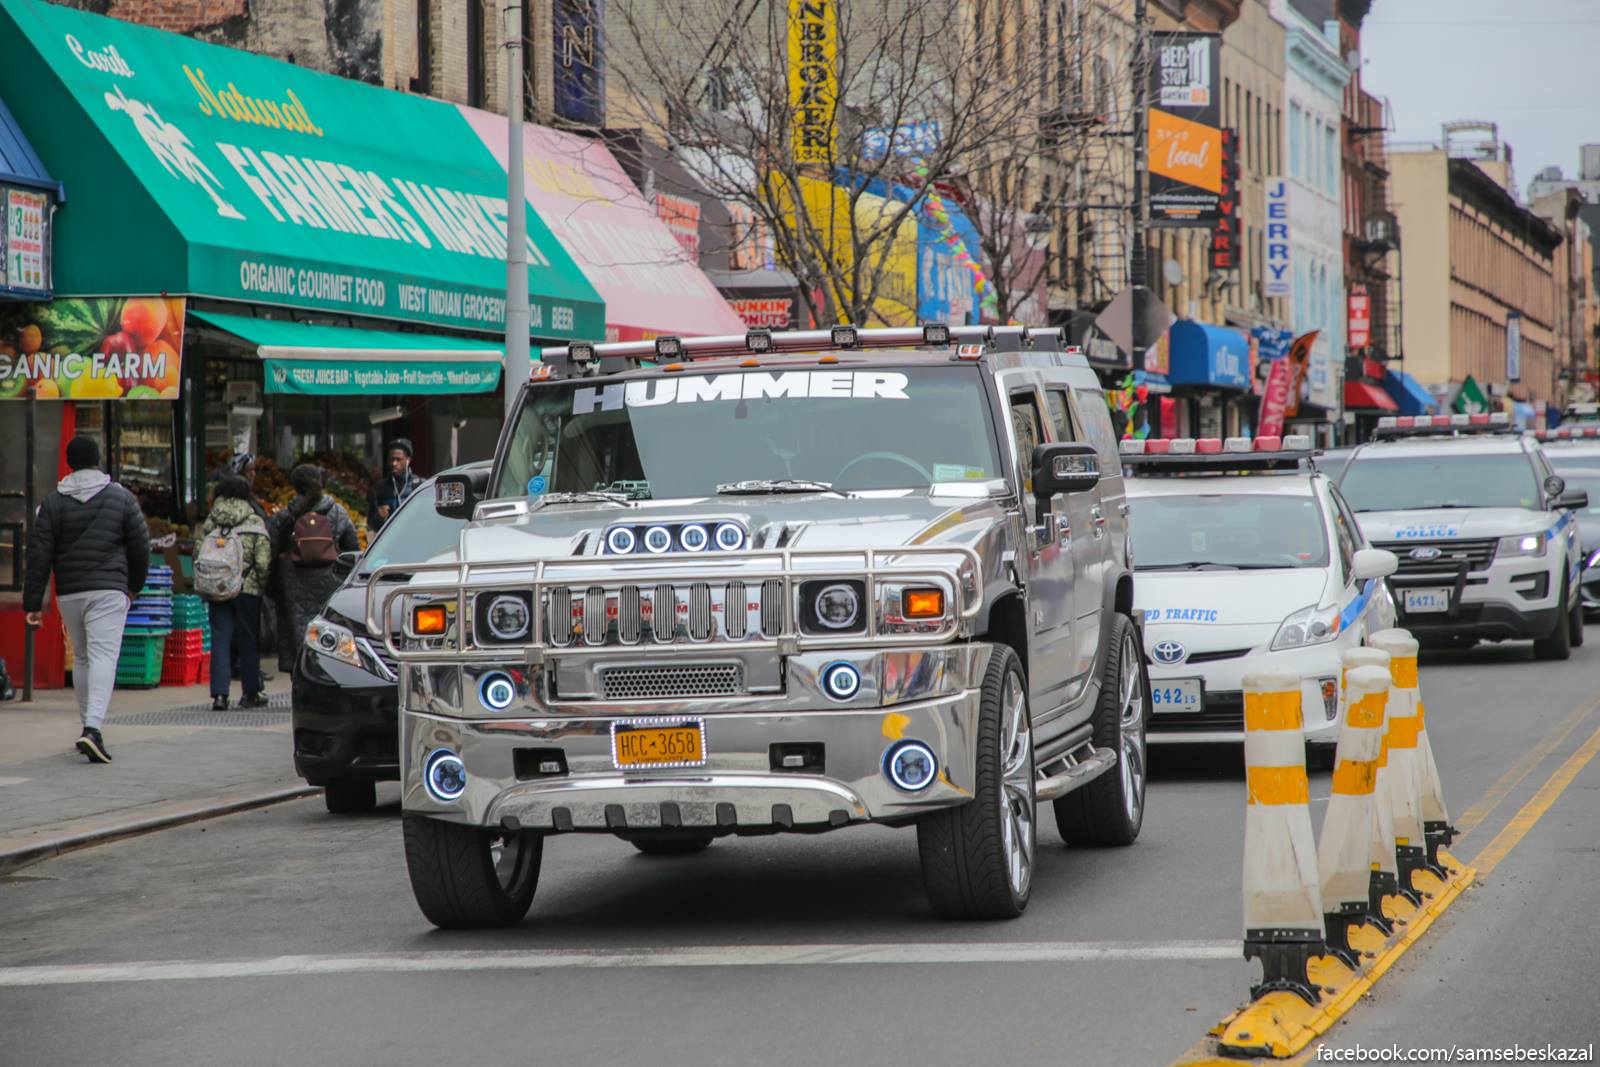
910 765
657 539
694 538
620 541
328 640
508 617
838 607
841 681
444 776
497 691
730 537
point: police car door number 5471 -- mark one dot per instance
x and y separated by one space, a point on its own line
1176 694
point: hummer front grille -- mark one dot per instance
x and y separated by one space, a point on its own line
692 613
671 682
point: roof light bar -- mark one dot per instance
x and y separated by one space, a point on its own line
1269 443
936 335
581 352
1181 446
1208 446
1215 455
1297 442
1236 444
844 336
759 340
1131 447
669 347
1480 422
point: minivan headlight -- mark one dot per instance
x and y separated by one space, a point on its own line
332 640
1308 626
1522 545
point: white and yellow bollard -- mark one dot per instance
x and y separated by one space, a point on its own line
1282 903
1404 770
1436 829
1345 849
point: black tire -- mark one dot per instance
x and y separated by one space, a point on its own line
455 877
350 797
1110 809
966 851
1575 624
1558 645
671 844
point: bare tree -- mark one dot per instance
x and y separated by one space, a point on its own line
711 76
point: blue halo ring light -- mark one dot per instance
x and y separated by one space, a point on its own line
620 541
911 766
444 776
694 538
657 539
496 691
730 536
841 681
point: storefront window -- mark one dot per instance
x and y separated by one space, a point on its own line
142 454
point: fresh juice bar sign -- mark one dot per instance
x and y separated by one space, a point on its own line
276 184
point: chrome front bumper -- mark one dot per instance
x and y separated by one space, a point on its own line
738 788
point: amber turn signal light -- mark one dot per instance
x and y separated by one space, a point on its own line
924 603
428 620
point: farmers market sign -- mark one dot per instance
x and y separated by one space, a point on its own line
202 169
92 349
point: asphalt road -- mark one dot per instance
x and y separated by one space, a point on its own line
289 935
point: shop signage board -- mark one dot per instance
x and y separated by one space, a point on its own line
776 312
122 348
24 241
579 73
682 218
206 170
1184 138
1275 277
813 79
914 140
1360 328
318 377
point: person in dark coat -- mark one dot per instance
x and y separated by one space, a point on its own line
390 491
91 534
244 465
307 587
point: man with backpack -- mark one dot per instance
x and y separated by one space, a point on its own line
91 534
307 537
398 483
232 558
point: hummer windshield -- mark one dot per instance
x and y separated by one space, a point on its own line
766 430
1463 480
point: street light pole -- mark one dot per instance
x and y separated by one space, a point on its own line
518 366
1138 270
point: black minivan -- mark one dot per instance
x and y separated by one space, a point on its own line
344 703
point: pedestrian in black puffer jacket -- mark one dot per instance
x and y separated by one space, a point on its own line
91 534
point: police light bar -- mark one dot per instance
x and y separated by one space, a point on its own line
1215 455
1570 433
1408 425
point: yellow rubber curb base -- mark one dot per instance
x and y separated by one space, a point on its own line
1279 1025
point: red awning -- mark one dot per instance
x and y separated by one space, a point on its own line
1367 395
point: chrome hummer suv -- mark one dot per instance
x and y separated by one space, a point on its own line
777 582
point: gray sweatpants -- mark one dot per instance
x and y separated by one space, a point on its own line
94 622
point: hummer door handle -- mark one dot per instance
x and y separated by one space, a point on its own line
1063 527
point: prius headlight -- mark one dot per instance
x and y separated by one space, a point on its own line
1308 626
1522 545
332 640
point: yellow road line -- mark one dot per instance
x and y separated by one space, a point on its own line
1523 821
1521 769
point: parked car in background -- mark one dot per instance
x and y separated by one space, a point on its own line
343 701
1574 453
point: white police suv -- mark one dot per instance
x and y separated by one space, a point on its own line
1574 454
1483 527
1245 556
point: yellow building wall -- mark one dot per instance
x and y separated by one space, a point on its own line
1420 196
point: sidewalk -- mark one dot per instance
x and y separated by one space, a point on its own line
173 760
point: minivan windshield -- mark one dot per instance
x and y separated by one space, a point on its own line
1464 480
684 435
1226 531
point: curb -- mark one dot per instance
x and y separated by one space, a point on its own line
22 851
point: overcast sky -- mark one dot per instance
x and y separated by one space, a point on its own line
1533 66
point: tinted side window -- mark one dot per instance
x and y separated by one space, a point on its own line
1060 414
1095 419
1349 534
1027 431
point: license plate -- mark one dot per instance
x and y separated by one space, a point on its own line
657 743
1177 695
1422 601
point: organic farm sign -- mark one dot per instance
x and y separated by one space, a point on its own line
92 349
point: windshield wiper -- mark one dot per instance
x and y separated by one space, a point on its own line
761 486
588 496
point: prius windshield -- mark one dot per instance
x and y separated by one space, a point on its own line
1464 480
1226 531
768 430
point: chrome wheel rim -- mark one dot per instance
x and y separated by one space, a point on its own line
1016 785
1131 722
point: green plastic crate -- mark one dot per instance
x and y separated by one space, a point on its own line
139 651
140 675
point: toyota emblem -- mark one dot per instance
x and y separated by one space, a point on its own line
1168 652
1425 553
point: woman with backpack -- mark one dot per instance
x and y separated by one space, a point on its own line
307 537
233 555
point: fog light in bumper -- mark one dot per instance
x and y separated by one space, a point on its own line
841 681
444 776
910 765
496 691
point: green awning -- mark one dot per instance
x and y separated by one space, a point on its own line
202 170
309 360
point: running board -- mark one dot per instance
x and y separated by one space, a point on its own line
1075 769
